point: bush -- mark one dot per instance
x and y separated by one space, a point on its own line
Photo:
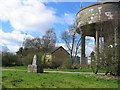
76 66
66 64
54 64
9 59
39 62
111 57
27 59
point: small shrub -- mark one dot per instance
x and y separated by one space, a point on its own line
66 64
76 66
54 64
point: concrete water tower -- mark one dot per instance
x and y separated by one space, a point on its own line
98 20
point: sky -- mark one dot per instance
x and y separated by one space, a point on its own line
18 17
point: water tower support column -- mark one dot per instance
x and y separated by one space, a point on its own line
97 50
82 58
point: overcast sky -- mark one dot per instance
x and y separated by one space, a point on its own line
33 17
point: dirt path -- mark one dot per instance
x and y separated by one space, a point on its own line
55 71
98 75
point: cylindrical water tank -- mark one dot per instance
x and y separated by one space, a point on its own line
99 12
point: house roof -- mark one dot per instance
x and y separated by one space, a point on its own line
57 48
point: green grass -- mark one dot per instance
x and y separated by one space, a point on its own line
20 79
15 67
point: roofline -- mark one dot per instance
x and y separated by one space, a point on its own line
98 3
59 48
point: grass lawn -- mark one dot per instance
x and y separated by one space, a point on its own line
15 67
22 79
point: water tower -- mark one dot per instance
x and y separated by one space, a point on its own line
98 20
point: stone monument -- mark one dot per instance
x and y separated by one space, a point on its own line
34 60
36 65
33 67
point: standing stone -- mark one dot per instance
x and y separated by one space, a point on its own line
34 60
36 66
33 67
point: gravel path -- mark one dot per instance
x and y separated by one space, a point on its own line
55 71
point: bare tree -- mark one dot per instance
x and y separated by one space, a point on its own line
46 43
49 40
72 41
33 43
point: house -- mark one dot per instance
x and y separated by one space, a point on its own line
57 57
